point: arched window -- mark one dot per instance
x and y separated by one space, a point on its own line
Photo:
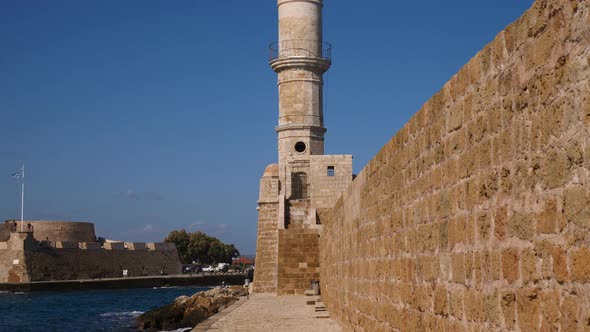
299 185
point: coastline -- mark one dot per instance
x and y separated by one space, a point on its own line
128 282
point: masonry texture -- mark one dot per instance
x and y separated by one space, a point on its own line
52 250
299 191
476 215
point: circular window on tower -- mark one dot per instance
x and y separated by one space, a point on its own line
300 147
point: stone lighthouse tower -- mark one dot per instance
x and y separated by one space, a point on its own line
298 191
300 59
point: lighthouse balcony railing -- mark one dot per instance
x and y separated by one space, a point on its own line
300 48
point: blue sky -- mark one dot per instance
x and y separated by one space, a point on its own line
147 116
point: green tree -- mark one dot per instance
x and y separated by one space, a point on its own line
181 239
200 247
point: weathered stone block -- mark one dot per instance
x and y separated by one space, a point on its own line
454 118
492 308
528 300
550 300
474 305
569 313
441 300
554 168
549 218
456 303
508 305
521 225
576 206
580 265
510 265
560 264
458 263
528 266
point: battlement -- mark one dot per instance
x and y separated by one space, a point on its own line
128 246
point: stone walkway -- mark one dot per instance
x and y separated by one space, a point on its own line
270 313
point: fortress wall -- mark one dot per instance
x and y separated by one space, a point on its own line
13 266
114 246
325 190
55 230
73 263
298 260
267 249
476 215
4 232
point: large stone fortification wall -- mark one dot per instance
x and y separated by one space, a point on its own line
53 231
267 249
90 262
4 232
476 215
23 259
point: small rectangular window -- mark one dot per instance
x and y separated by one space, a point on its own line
330 170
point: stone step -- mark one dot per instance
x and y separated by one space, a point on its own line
320 309
301 226
322 315
312 298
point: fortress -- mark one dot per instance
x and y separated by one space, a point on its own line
475 216
56 250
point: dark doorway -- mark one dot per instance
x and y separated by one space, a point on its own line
299 186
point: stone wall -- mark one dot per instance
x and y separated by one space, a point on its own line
23 259
299 259
476 215
73 264
4 232
325 189
267 250
45 230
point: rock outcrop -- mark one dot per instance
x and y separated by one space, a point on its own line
188 311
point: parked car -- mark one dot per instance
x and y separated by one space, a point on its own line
191 268
208 269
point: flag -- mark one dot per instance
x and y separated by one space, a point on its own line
17 175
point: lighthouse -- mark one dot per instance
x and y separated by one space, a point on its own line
297 192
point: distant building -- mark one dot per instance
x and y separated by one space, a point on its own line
58 250
243 260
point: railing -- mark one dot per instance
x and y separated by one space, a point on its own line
300 48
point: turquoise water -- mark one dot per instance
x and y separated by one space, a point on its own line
88 311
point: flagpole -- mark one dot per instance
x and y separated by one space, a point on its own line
22 199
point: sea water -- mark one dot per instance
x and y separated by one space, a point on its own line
88 311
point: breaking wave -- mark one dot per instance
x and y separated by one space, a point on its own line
130 314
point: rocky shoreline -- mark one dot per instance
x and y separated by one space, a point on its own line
188 311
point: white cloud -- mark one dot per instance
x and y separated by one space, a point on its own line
131 194
197 224
147 229
211 229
